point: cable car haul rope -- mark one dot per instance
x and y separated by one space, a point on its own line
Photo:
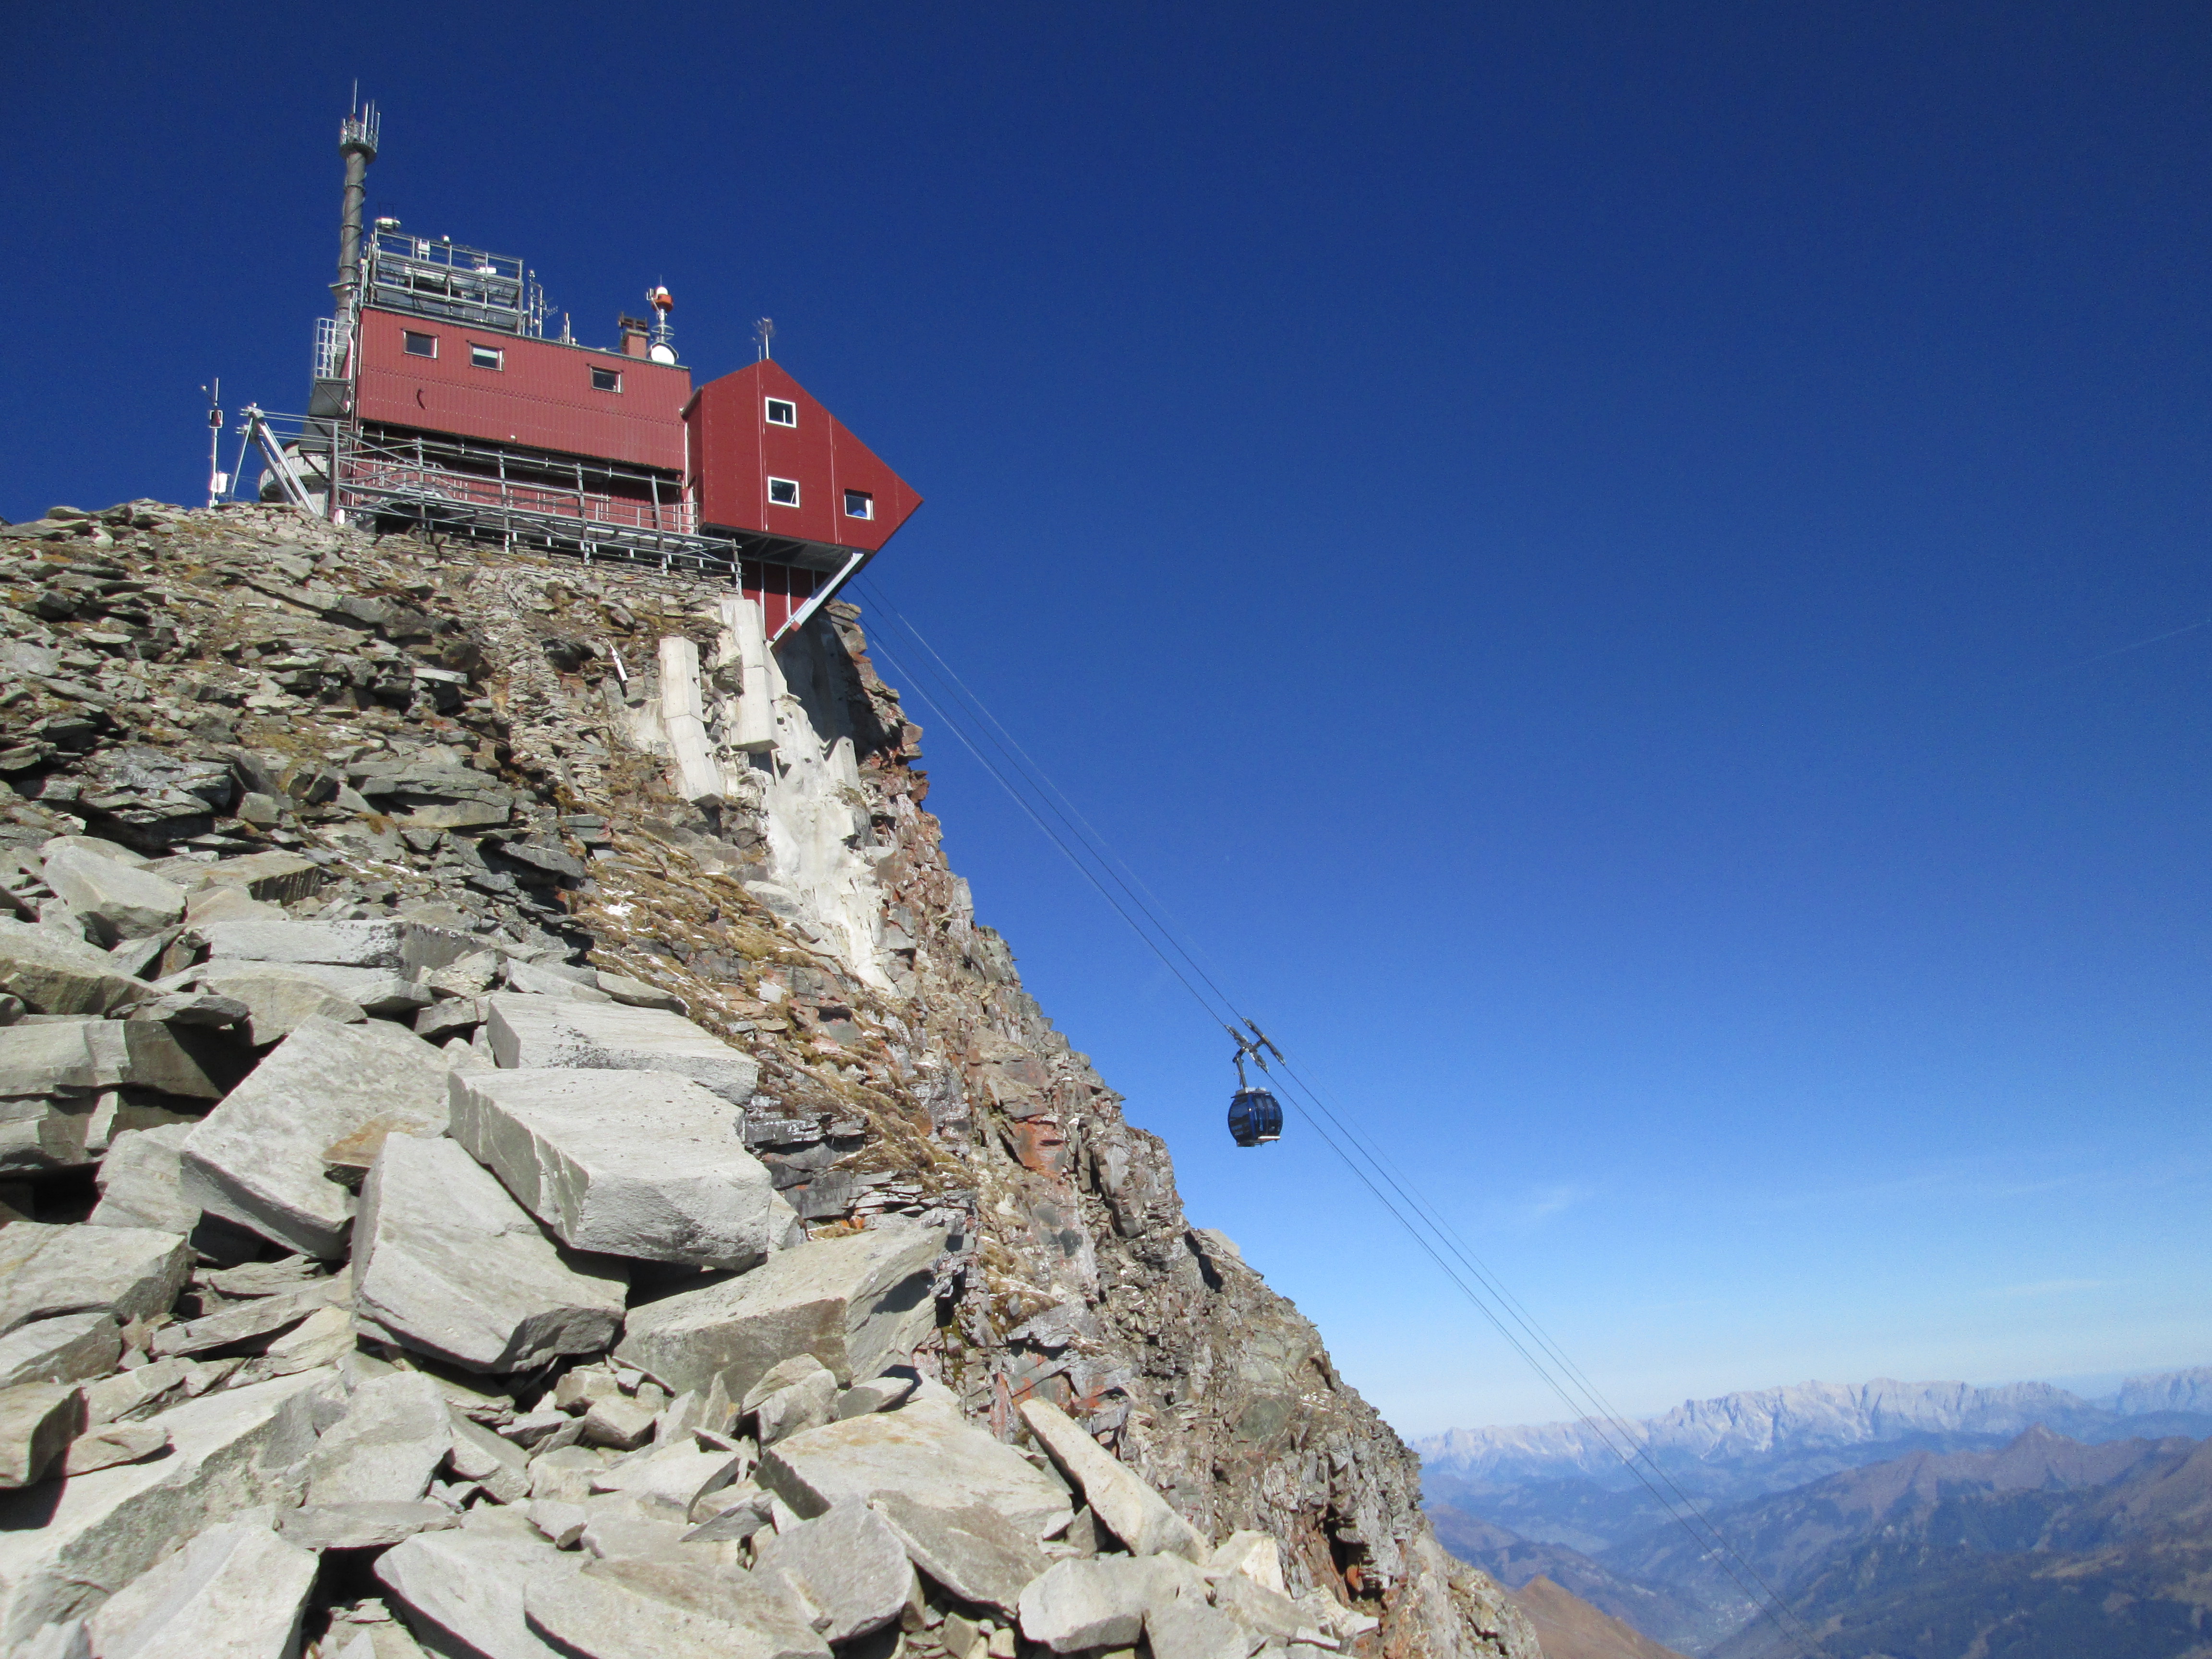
1256 1116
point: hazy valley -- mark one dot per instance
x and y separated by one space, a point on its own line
1919 1519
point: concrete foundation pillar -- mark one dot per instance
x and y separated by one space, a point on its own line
742 621
681 710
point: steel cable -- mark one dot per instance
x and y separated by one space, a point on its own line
1439 1240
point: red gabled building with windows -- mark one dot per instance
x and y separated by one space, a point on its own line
439 401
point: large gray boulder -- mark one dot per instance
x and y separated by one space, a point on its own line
132 1273
451 1266
408 947
537 1032
67 1349
645 1164
237 1590
1132 1511
849 1565
973 1551
55 975
393 1436
256 1159
120 901
462 1591
65 1550
646 1609
924 1451
856 1303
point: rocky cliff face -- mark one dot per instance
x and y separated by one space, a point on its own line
564 802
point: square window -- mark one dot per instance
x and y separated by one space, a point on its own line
859 504
784 492
419 345
781 412
606 380
484 356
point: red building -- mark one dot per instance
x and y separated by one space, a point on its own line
439 401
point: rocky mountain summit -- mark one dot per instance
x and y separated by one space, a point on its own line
513 1142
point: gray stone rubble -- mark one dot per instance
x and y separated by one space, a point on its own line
475 1181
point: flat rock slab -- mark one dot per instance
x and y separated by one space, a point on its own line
974 1552
645 1164
53 975
535 1032
466 1586
120 900
279 998
924 1452
257 1158
132 1272
855 1304
65 1549
1255 1555
373 1524
1270 1615
237 1588
100 1054
1135 1514
278 878
849 1565
393 1436
1185 1627
453 1266
67 1349
37 1421
142 1184
246 1327
405 946
1099 1603
642 1610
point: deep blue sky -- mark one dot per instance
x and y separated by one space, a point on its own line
1567 542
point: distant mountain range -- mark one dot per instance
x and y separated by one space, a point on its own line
1787 1434
1927 1519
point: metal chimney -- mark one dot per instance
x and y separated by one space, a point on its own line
357 136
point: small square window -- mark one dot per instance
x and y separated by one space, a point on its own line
784 492
606 380
484 356
859 504
419 345
781 412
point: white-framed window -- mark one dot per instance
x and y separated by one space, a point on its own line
783 492
781 412
418 345
484 356
859 504
606 380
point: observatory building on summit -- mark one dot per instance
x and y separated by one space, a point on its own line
440 402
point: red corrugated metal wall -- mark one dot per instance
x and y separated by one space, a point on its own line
736 451
781 589
541 396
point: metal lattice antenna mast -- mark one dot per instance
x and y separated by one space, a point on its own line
765 329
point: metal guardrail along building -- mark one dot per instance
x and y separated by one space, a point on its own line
439 401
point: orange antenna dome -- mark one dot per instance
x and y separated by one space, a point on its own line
660 299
